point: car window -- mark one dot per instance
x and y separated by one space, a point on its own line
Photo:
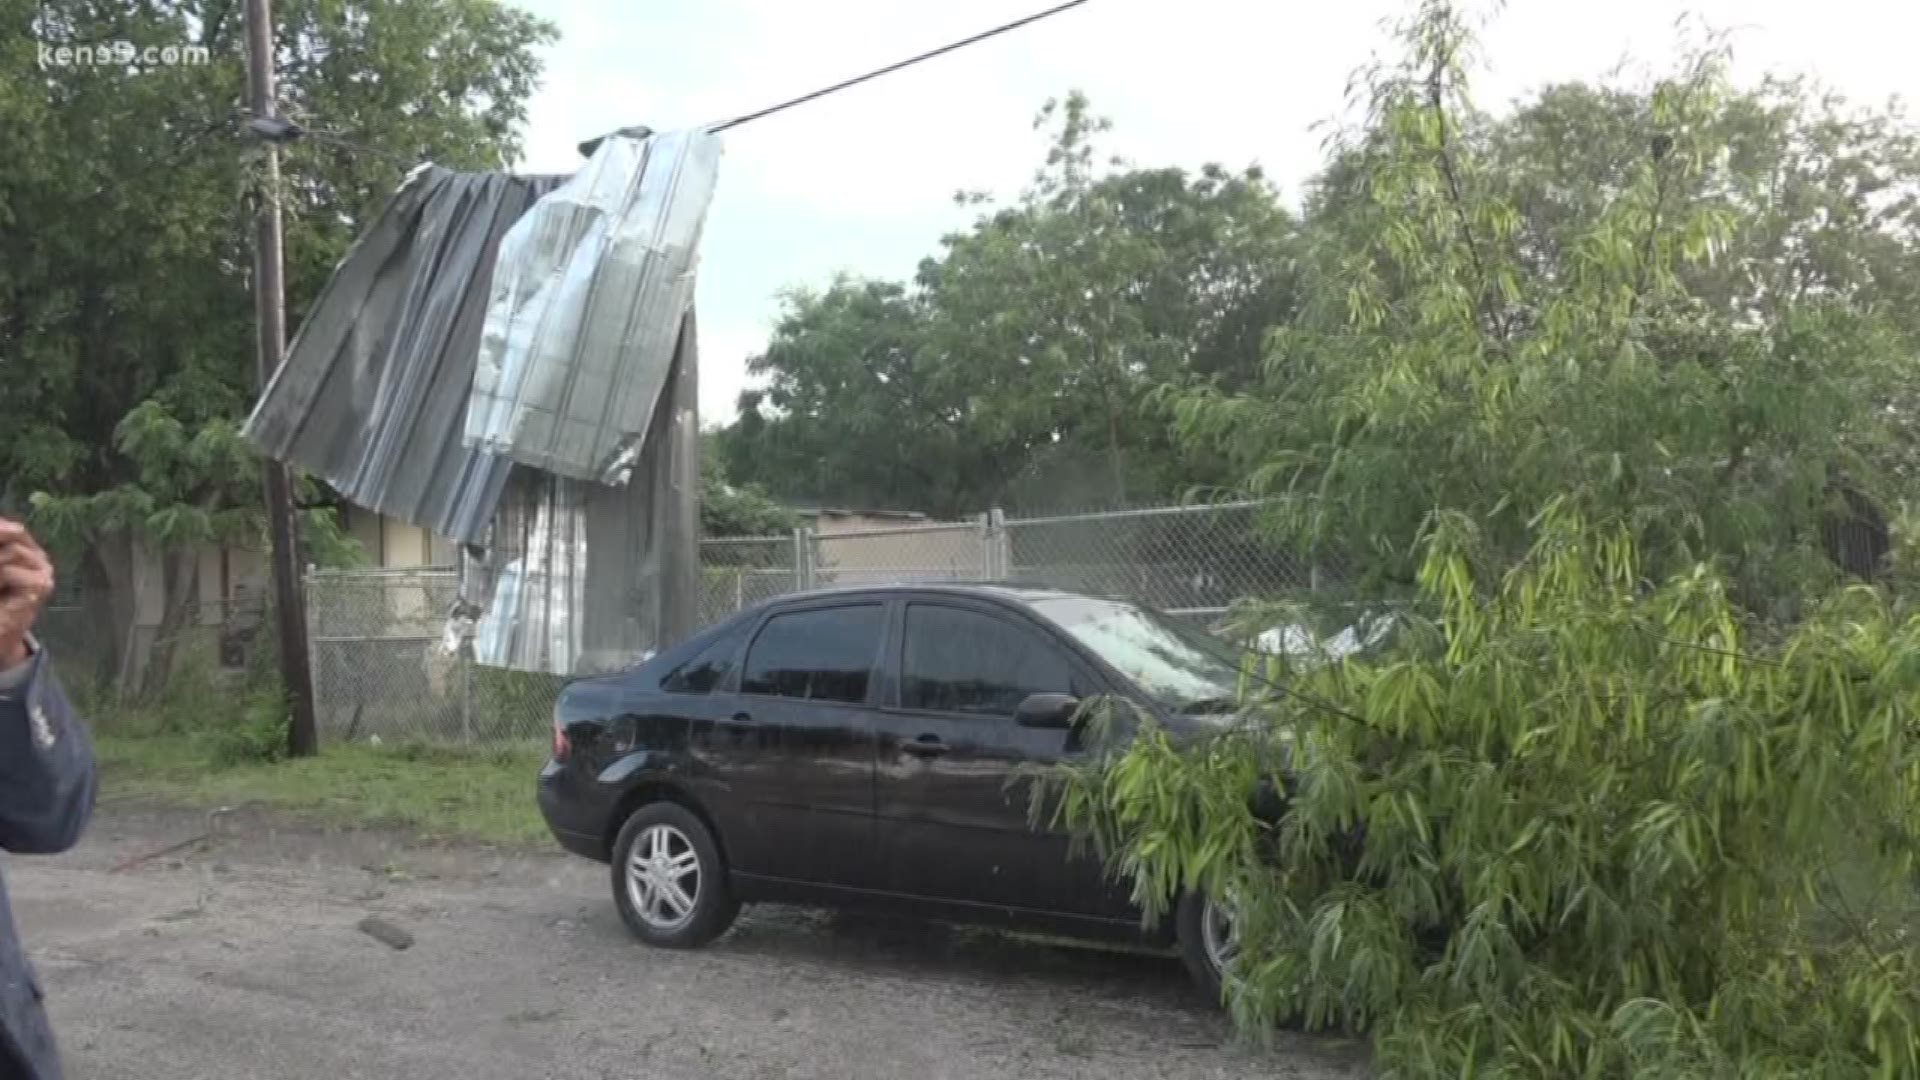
825 654
1179 665
703 672
961 661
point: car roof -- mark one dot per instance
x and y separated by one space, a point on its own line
1013 591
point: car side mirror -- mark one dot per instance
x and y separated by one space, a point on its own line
1051 711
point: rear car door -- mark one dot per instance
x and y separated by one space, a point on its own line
795 749
953 811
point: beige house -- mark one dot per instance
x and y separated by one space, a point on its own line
860 546
233 580
395 545
233 583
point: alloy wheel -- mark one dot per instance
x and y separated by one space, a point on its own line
663 878
1218 937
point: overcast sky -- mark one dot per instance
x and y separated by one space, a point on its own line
862 181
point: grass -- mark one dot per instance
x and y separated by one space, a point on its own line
483 794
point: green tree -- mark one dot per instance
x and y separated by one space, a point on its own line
1690 304
125 318
729 509
856 409
1021 364
1071 307
1582 382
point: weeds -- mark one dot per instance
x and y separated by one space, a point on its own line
216 737
485 793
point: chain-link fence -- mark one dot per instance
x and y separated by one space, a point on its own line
739 572
1187 560
381 667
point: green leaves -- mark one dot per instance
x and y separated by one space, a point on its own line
1025 362
126 326
1677 305
127 330
1627 840
1587 376
728 509
1616 879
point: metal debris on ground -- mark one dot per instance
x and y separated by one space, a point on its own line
386 933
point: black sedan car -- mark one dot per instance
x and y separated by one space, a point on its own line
863 747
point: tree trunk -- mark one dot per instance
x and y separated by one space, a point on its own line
180 574
1111 396
101 660
113 609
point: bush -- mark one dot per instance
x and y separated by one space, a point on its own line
196 695
257 734
513 704
230 718
1608 829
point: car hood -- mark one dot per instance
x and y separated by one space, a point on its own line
1302 644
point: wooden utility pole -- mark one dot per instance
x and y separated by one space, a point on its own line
270 312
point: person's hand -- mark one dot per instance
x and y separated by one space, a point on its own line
26 581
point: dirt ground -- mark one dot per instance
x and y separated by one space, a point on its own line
240 956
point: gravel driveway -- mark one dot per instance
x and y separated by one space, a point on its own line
240 956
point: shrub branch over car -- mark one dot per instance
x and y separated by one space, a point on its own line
1606 831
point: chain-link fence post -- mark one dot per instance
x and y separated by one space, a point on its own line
466 689
802 559
313 651
983 525
999 556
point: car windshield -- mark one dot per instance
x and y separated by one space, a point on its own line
1180 666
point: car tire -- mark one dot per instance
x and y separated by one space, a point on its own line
669 880
1201 947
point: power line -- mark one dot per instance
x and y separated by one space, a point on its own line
891 68
586 148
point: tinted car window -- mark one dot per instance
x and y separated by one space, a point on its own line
822 655
955 660
705 670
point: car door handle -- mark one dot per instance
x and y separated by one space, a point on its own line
925 746
743 719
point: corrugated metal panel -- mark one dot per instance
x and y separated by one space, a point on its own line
581 577
586 306
376 383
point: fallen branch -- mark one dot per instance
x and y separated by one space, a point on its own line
137 860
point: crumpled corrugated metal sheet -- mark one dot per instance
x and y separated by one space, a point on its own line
586 307
377 382
579 577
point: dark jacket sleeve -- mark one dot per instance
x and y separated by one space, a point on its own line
46 764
